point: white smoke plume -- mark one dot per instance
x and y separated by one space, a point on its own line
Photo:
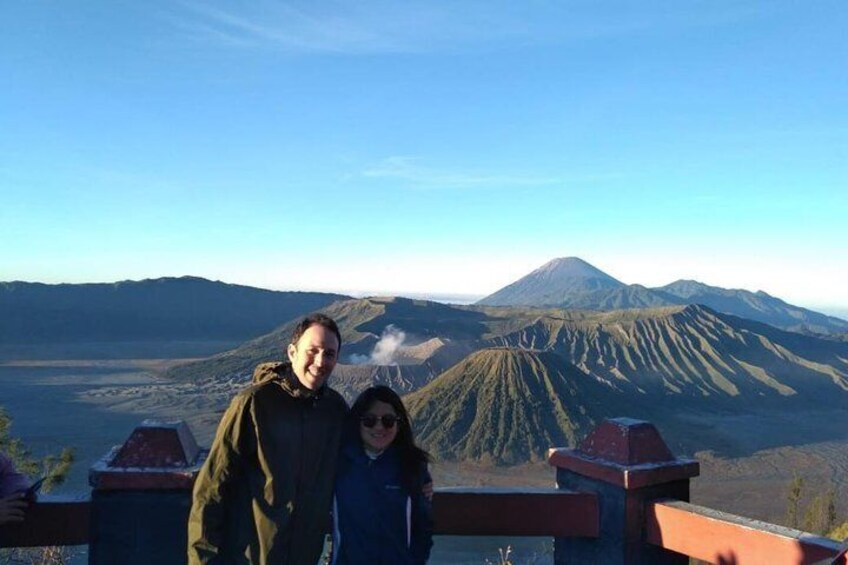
384 350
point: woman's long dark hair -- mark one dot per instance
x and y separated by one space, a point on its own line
412 457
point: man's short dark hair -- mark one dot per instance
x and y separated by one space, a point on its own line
316 320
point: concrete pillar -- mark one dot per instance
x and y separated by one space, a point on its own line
626 463
141 496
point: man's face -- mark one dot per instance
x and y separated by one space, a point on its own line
314 356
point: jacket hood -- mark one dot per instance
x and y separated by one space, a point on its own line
281 371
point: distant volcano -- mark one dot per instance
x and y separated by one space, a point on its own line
570 282
557 282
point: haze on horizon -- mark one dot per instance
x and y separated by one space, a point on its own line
428 148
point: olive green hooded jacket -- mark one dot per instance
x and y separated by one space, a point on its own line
264 494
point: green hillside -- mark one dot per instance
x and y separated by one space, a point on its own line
691 353
506 406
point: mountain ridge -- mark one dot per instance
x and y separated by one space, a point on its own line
684 353
579 288
168 308
657 364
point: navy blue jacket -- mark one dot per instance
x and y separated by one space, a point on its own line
377 522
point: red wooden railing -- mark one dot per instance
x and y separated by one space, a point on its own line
718 537
53 520
695 531
629 499
481 511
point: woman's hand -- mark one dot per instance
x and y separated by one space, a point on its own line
12 509
427 491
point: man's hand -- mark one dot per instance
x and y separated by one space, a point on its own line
427 491
12 509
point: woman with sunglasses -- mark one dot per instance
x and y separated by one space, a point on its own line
381 514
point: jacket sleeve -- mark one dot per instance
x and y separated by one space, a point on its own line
422 524
213 488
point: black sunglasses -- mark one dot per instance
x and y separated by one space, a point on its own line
370 421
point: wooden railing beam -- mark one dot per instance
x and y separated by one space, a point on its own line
53 520
718 537
494 511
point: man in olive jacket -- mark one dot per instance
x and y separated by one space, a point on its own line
264 493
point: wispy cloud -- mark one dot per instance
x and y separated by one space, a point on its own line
384 26
410 171
286 26
329 27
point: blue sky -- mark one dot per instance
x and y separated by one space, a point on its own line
426 147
